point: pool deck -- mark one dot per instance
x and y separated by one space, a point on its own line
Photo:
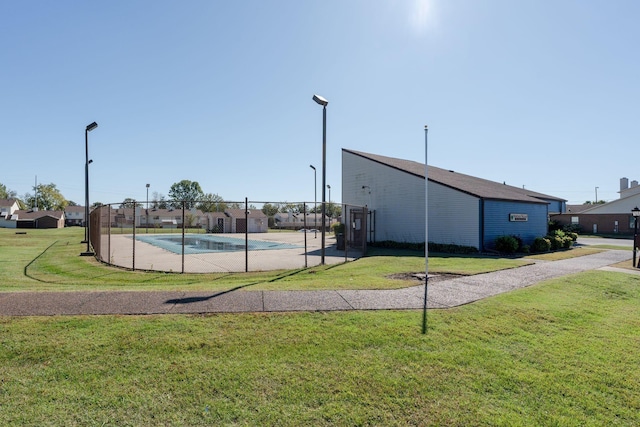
150 257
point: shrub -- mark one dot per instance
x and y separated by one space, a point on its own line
506 244
452 249
526 249
541 244
337 228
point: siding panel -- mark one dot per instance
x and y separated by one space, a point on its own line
496 219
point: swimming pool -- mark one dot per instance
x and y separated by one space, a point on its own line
205 243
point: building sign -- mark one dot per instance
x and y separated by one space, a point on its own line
518 217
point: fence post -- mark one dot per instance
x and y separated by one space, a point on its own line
109 235
304 219
246 235
133 260
183 224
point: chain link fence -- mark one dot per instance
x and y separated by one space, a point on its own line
178 236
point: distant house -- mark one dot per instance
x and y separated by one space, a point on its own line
157 218
608 218
218 222
7 208
257 221
463 209
74 215
38 219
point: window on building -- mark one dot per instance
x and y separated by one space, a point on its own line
575 220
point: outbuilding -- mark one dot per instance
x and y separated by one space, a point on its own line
463 210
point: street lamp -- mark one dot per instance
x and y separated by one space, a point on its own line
315 198
636 213
147 223
321 101
87 230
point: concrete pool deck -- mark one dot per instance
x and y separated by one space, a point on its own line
150 257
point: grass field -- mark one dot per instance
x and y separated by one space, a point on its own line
563 352
49 260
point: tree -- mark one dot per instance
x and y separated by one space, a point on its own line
6 193
270 209
212 203
130 203
46 197
333 210
185 191
158 201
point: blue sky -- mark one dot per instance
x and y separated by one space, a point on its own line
538 93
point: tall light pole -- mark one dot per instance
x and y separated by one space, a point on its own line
426 229
321 101
636 213
147 222
315 199
87 230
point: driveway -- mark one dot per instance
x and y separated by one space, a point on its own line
588 241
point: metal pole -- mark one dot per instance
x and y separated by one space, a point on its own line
147 223
324 177
86 188
635 238
426 231
315 202
246 234
304 218
183 218
133 256
87 229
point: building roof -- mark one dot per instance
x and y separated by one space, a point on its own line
74 209
239 213
31 215
579 208
474 186
7 202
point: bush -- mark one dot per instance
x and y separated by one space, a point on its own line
433 247
506 244
541 244
337 228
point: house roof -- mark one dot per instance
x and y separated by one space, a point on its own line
31 215
578 208
74 209
238 213
7 202
472 185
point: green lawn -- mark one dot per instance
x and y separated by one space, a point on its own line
565 352
49 260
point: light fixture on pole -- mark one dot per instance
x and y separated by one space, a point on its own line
148 185
315 201
636 213
87 229
321 101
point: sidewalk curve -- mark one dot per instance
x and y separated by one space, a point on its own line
441 294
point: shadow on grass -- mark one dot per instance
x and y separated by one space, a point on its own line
191 300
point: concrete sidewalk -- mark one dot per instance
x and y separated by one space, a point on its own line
441 294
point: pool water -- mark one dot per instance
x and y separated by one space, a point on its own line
204 243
